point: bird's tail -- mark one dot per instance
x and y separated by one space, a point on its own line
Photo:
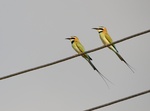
121 58
103 77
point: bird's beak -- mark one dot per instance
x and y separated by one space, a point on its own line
68 38
95 28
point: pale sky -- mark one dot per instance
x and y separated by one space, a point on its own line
33 33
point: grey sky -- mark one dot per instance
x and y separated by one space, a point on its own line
33 33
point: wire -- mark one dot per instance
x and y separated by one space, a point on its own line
70 57
119 100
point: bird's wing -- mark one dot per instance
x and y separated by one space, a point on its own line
81 48
110 41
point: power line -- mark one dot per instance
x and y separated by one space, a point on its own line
67 58
119 100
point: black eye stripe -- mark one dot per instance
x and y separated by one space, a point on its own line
72 42
100 31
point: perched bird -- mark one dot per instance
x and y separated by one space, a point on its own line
106 39
79 48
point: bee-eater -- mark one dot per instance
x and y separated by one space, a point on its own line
79 48
106 39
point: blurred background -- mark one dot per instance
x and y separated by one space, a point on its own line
33 33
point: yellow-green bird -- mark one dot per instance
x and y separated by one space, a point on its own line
106 39
79 48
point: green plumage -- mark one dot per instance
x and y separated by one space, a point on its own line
79 48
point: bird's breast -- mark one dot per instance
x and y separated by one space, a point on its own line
103 39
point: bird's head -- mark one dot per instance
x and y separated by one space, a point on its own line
100 29
73 38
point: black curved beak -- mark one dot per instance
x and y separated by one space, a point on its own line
68 38
95 28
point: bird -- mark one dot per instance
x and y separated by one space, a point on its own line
79 48
106 39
